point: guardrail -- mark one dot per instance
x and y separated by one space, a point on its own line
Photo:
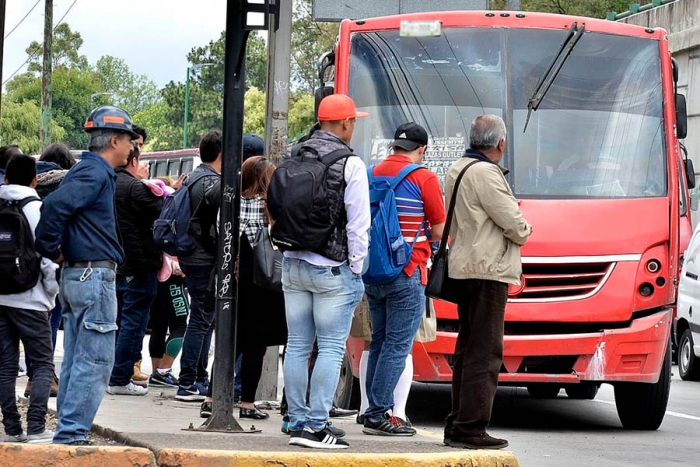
636 8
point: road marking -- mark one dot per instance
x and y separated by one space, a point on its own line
668 412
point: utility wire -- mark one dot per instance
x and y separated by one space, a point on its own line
22 20
33 52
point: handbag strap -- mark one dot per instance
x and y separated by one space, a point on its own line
451 209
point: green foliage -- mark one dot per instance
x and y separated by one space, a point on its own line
20 125
66 46
254 111
301 113
590 8
162 134
133 93
310 40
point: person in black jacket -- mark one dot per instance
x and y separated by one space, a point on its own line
203 184
137 283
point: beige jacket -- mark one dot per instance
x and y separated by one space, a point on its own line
488 228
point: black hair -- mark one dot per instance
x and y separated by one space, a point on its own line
59 154
210 146
20 170
6 152
140 131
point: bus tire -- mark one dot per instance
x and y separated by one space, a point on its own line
543 390
688 363
642 406
582 391
347 394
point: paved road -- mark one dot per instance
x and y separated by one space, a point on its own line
571 433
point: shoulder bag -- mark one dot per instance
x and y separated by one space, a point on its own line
440 286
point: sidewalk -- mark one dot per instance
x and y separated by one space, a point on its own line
158 422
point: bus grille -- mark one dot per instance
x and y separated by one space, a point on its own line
547 282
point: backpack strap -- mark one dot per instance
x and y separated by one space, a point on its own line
195 179
403 174
333 157
24 201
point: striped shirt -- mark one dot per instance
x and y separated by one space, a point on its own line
418 201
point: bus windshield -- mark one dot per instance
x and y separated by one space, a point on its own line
598 133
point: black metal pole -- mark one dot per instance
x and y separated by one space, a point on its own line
227 287
2 45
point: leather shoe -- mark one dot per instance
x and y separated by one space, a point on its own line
338 412
255 414
476 441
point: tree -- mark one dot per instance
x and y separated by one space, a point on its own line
72 88
590 8
162 134
254 112
301 114
133 93
66 45
310 40
20 125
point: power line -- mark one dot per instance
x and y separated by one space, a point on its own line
33 52
22 20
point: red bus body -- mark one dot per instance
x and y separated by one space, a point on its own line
591 255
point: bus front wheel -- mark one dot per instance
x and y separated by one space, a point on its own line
347 394
642 406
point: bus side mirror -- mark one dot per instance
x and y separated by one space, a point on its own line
323 91
690 173
681 117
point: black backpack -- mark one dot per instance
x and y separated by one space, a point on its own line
297 200
20 266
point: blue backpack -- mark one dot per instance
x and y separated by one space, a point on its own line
388 251
170 229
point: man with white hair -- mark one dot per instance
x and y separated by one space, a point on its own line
484 257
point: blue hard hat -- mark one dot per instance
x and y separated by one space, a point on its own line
109 117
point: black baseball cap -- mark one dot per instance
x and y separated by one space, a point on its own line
253 145
410 136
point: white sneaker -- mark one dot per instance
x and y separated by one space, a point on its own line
41 438
129 390
20 438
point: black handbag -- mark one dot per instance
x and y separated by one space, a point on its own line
440 286
267 262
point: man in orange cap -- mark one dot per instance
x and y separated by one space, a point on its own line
322 287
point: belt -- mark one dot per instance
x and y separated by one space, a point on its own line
92 264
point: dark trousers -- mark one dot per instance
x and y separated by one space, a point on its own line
169 314
195 347
33 328
135 294
478 356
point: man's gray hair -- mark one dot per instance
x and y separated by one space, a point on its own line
486 132
99 140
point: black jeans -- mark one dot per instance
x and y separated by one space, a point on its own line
478 356
35 331
195 347
169 314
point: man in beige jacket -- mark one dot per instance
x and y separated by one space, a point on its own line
486 234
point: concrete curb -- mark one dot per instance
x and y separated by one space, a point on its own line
191 458
73 456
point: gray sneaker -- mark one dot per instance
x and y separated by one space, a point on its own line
41 438
129 390
20 438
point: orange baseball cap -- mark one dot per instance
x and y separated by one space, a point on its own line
338 107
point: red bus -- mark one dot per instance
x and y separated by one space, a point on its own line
594 121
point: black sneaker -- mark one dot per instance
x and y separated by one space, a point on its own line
205 410
476 441
323 439
360 419
337 432
166 380
388 425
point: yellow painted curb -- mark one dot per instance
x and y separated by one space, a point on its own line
53 455
308 458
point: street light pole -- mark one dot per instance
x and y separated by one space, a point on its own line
186 130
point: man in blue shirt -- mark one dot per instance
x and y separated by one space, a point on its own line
78 228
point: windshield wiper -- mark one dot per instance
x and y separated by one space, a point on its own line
545 82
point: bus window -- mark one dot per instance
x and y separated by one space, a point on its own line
174 168
161 168
187 165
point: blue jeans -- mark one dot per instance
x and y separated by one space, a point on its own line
89 326
395 311
135 295
195 347
319 303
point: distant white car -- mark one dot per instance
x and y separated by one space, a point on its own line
687 324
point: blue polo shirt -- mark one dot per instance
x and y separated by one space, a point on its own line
79 217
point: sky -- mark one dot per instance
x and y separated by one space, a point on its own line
152 36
